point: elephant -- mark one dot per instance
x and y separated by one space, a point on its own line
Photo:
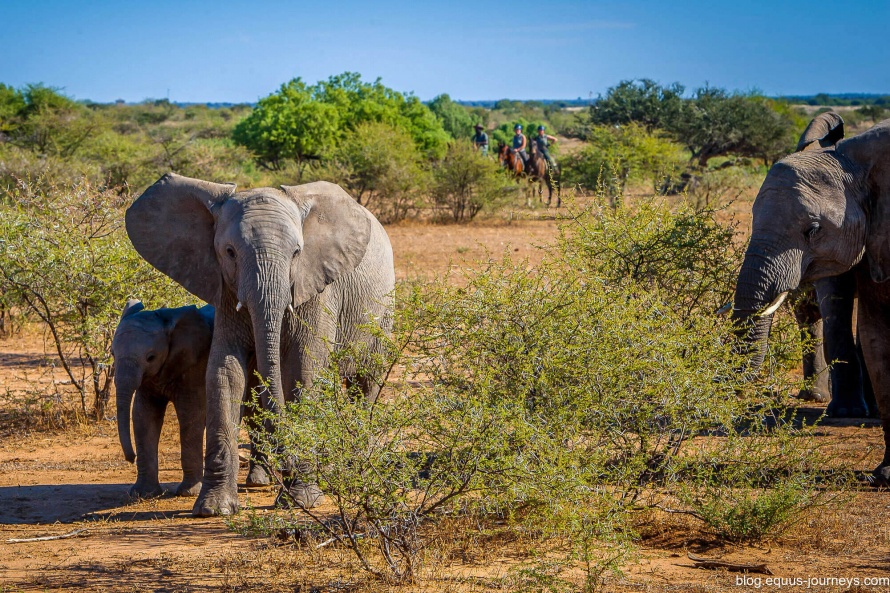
160 357
823 213
824 313
293 272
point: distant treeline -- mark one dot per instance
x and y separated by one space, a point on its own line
848 99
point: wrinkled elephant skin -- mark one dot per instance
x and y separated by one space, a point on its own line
292 272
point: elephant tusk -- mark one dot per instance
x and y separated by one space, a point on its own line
238 307
773 306
725 309
290 308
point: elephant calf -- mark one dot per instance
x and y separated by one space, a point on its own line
161 357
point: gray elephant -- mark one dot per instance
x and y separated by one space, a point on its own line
292 272
160 357
824 312
822 213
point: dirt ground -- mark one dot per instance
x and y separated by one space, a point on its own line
54 482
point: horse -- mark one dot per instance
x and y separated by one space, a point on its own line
539 170
510 160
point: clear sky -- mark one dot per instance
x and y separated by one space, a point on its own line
196 51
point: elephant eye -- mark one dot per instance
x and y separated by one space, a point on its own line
151 356
813 231
297 251
230 251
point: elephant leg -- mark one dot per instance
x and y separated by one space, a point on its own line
148 418
815 371
836 299
256 471
226 369
868 392
190 411
874 330
305 354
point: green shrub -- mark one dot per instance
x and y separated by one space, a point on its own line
615 155
382 168
465 182
66 260
560 399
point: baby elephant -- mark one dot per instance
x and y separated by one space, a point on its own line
161 357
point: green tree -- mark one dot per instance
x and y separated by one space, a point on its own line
643 101
11 104
615 154
717 123
302 122
66 259
465 182
289 124
456 120
52 123
381 167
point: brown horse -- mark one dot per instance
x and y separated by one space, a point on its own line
539 170
510 159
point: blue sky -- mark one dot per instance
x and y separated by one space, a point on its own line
241 51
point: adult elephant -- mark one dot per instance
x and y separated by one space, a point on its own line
824 313
821 213
292 272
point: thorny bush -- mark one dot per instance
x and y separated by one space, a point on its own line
561 398
66 261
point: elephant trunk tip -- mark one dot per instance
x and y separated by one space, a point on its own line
130 456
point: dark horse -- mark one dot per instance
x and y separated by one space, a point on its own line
538 169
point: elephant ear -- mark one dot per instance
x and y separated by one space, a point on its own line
190 337
336 231
171 225
826 129
132 307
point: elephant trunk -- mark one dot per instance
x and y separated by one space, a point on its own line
126 381
762 285
268 300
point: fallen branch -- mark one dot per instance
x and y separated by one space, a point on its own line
47 538
712 563
333 539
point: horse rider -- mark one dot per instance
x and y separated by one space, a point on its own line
542 142
480 140
520 143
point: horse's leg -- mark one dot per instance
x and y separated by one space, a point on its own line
549 188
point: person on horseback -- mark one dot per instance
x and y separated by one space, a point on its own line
480 140
520 143
542 142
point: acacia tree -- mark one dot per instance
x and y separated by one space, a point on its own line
717 123
642 101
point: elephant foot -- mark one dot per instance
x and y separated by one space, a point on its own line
146 490
880 477
299 495
189 488
847 409
216 500
813 395
257 476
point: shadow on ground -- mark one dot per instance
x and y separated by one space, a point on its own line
66 503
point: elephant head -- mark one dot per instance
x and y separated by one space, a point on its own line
819 212
264 250
154 347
